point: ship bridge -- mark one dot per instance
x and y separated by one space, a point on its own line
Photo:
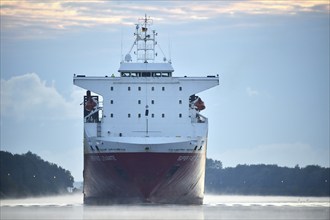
145 69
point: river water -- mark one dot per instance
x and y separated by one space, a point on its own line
215 207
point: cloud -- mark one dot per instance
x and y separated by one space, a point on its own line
251 92
276 7
36 117
28 97
49 17
283 154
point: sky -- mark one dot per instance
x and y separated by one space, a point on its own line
272 57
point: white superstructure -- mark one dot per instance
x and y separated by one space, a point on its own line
146 105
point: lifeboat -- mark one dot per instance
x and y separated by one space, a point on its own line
199 104
90 104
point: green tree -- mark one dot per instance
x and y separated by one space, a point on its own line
29 175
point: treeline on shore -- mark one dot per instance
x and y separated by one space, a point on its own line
28 175
264 179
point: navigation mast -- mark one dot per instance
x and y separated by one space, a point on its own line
144 41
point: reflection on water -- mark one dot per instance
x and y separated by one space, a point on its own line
215 207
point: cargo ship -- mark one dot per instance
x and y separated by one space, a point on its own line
145 139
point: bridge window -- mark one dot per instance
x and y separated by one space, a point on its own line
163 88
129 115
111 88
139 88
146 74
161 74
180 88
111 101
166 74
152 115
152 88
111 115
129 88
180 101
180 115
125 74
134 74
152 101
163 115
139 101
139 115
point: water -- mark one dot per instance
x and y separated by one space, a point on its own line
215 207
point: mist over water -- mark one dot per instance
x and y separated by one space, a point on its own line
215 207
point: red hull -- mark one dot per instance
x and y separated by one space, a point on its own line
173 178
